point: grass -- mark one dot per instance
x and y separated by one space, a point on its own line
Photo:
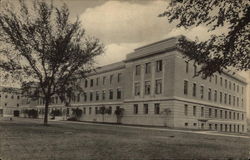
24 139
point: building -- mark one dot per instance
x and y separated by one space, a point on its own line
155 85
10 102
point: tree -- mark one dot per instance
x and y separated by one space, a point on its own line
44 50
220 52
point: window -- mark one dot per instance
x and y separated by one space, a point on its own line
145 107
209 93
147 87
110 110
216 78
103 80
242 102
148 68
195 70
233 100
238 88
91 96
185 87
187 64
238 116
6 96
186 124
237 101
97 95
202 92
119 93
225 83
12 97
91 83
110 79
234 86
202 111
215 113
84 110
17 105
135 108
110 94
103 95
230 85
137 70
137 89
186 109
158 86
220 97
158 65
119 77
229 99
216 126
210 79
220 113
86 83
194 110
96 110
97 81
78 98
90 110
225 114
230 115
5 104
215 95
242 90
157 108
225 98
210 112
194 89
221 81
234 115
85 96
242 117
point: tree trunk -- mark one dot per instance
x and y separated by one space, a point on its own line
46 113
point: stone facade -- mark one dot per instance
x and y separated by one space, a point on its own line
155 85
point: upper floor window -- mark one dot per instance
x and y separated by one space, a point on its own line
237 88
103 80
145 108
229 99
210 112
157 108
119 93
97 81
225 98
194 110
6 96
195 70
158 86
135 108
221 81
186 109
216 78
234 86
194 89
202 92
110 94
137 70
225 83
12 97
86 83
229 85
85 96
119 77
242 90
220 97
185 87
215 96
90 96
209 93
148 68
137 89
158 65
91 83
202 111
187 65
111 79
147 87
97 95
103 95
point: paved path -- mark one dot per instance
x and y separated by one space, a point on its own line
162 129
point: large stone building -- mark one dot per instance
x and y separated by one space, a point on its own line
155 85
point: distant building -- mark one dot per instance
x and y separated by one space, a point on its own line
10 101
154 85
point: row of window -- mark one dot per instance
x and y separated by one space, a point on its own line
90 83
221 127
158 67
89 96
146 109
5 104
12 96
226 83
147 87
214 113
228 99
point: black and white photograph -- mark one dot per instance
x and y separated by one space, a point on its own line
124 79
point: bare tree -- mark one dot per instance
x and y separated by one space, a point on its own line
229 49
44 50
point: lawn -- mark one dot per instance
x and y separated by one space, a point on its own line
24 139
